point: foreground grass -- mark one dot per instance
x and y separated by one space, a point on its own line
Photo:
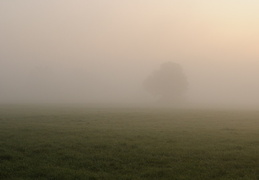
83 143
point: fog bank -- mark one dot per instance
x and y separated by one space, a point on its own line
102 51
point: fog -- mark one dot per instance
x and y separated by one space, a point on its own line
98 51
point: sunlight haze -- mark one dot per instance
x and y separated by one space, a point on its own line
97 51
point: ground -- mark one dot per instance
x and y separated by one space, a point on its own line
130 143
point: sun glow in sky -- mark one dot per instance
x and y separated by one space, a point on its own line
158 28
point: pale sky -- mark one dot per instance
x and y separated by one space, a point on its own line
102 50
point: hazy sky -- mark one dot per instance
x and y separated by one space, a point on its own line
101 51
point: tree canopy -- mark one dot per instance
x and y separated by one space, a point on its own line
168 83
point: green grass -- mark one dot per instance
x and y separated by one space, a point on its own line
85 143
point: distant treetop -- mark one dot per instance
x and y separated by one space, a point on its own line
168 83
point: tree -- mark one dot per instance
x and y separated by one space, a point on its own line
168 83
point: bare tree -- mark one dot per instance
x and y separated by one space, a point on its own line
168 83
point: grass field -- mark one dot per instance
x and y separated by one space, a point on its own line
99 143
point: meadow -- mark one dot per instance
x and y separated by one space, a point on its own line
128 143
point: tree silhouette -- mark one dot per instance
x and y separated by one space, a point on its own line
168 83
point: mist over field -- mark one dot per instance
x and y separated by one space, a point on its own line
129 89
101 52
